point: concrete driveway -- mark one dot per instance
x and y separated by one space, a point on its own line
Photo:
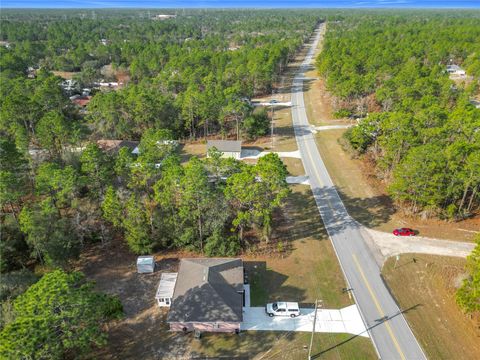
255 154
346 320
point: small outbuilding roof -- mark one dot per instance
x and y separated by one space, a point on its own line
166 285
145 260
114 146
225 145
82 100
208 290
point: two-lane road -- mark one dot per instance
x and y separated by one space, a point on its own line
388 329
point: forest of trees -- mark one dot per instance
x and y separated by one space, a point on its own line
189 75
468 295
418 126
183 78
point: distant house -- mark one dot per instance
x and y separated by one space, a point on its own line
31 72
68 85
110 85
455 70
475 103
164 16
81 101
229 148
208 296
171 143
114 146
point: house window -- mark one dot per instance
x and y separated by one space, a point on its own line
167 301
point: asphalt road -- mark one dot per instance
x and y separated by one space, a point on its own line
391 335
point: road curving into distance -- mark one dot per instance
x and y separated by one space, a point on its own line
391 334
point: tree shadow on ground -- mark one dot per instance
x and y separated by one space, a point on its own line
300 219
370 211
341 212
267 285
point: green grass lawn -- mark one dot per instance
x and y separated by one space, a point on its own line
283 345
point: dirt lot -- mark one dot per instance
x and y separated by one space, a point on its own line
442 329
65 74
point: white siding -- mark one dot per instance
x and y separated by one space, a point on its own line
165 289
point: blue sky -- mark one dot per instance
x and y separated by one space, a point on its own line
239 3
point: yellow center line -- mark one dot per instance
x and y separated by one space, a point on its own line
379 308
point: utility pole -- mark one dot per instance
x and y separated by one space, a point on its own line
313 331
271 130
273 116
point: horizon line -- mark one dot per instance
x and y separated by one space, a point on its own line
359 7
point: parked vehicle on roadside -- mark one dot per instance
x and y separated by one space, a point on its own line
282 308
403 232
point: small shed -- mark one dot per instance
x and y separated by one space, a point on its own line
145 264
229 148
165 289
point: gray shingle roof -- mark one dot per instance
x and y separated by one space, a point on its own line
225 145
207 291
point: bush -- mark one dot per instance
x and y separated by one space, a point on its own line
342 113
356 139
256 125
219 245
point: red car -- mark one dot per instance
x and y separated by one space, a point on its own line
403 232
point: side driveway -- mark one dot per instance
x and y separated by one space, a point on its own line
385 245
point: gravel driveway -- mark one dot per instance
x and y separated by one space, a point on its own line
385 245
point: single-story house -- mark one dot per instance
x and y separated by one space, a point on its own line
208 296
165 16
455 70
82 101
229 148
172 143
114 146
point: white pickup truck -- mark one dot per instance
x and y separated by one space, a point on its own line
282 308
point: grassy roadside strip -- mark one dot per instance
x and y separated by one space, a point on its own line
442 329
